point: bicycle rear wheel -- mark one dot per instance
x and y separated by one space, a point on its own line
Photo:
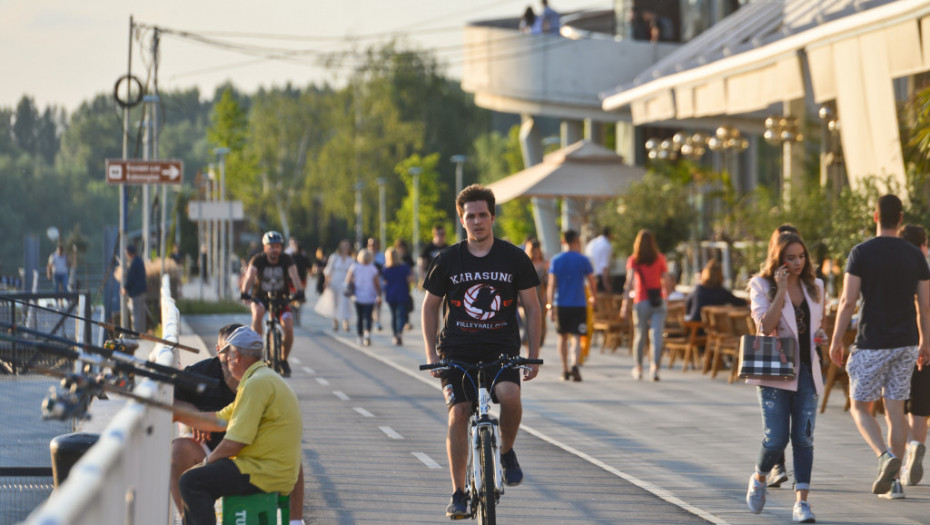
487 499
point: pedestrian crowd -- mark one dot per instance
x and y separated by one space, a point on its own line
494 295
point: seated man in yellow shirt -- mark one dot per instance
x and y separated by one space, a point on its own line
261 450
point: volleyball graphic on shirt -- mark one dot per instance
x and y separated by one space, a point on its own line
482 302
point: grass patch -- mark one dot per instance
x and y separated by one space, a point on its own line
196 307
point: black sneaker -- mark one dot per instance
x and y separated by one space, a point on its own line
513 474
285 368
576 374
458 507
566 376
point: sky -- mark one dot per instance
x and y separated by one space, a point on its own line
63 52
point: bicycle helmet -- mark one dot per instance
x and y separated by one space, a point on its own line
272 237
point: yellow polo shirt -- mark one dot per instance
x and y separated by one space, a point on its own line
265 417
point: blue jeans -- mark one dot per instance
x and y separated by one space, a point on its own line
651 319
789 414
363 315
61 282
398 317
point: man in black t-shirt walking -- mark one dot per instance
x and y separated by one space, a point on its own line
477 282
888 271
431 250
273 274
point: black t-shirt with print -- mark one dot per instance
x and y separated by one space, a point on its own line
480 298
273 279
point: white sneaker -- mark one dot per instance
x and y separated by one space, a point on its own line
637 372
802 513
913 469
755 495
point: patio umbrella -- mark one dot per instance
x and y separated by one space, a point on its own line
581 170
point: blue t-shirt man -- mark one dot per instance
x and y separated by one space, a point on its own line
570 269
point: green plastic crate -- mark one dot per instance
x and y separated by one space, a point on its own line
256 509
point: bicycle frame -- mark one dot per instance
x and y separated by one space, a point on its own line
481 417
483 433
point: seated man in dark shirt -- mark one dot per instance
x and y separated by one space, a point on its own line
191 448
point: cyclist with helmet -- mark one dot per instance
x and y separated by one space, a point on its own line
272 273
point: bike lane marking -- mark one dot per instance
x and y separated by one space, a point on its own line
309 370
322 381
341 395
295 360
391 433
658 491
363 412
428 461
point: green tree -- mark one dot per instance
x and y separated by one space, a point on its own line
653 203
430 189
497 157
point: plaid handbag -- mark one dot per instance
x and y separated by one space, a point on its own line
765 357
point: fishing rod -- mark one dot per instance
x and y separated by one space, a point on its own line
108 326
110 350
78 389
179 378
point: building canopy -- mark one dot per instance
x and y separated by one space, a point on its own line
764 53
583 169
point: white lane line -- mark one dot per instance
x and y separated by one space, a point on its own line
322 381
428 461
341 395
363 412
662 493
308 370
295 360
391 433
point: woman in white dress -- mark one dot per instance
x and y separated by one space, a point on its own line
336 270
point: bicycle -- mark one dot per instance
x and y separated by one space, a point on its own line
484 479
274 344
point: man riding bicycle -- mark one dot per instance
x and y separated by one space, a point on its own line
478 282
271 275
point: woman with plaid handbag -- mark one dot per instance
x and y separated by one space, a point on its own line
787 301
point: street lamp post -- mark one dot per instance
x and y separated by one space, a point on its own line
458 160
359 242
382 229
415 171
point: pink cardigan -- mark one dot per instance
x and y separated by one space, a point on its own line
787 327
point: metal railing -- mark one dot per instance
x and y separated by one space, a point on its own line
124 477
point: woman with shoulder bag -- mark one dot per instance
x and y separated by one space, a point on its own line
786 301
646 270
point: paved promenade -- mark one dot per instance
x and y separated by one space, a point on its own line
687 439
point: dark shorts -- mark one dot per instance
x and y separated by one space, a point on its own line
456 388
572 320
919 403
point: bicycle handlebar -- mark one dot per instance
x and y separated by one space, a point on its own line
280 299
505 360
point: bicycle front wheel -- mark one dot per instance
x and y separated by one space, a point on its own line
487 499
277 351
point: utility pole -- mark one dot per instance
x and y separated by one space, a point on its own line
224 226
123 310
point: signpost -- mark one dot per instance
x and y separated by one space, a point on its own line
133 171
